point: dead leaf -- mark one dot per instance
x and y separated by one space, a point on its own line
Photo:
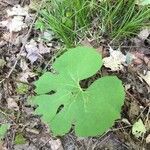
17 10
86 42
56 144
15 20
43 49
23 65
34 4
148 139
25 75
134 110
146 77
115 60
126 121
1 146
127 86
34 50
144 34
12 104
15 24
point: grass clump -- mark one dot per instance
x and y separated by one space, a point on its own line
71 20
67 18
122 18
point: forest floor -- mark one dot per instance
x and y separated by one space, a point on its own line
23 56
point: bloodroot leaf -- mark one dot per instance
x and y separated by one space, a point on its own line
91 111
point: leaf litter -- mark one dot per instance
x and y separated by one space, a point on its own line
34 56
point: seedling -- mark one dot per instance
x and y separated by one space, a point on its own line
3 129
65 105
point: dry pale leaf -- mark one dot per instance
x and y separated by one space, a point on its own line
56 144
43 49
15 24
146 77
12 104
144 34
17 10
34 50
23 65
148 139
115 60
126 121
25 75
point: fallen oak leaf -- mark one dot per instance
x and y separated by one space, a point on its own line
115 60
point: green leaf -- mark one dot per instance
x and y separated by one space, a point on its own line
3 129
22 88
39 25
19 139
93 110
138 129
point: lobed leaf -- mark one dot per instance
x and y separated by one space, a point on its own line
91 111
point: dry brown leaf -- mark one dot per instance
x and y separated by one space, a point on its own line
86 42
134 110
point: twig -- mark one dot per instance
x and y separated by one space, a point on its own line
26 38
116 129
7 116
